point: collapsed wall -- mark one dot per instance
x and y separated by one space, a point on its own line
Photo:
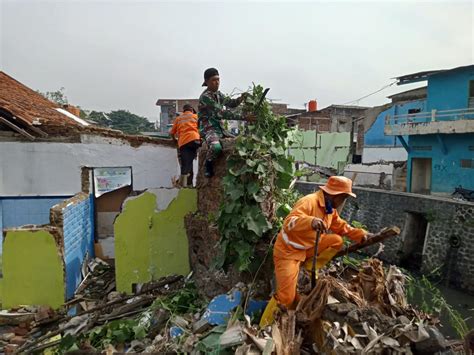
204 237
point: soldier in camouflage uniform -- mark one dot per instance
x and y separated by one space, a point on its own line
212 110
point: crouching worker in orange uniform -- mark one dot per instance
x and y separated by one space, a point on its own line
294 246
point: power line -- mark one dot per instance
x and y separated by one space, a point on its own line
372 93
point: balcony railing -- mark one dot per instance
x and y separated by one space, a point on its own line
433 116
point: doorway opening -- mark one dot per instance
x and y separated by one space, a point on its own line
413 239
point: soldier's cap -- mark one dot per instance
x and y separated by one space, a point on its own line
209 73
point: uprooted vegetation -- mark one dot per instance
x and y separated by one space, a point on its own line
256 187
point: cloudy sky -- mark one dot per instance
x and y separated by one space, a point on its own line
126 54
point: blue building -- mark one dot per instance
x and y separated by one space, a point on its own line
380 147
438 134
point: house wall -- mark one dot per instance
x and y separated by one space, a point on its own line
150 236
375 134
450 231
19 211
447 172
376 154
43 265
332 149
75 219
449 90
52 169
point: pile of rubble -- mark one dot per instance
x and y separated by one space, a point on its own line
348 312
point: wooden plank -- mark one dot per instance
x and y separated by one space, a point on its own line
32 126
377 238
16 128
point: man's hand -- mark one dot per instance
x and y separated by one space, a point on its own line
318 225
243 96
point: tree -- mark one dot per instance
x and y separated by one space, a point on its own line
100 118
128 122
58 96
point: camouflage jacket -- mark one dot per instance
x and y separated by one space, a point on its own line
213 109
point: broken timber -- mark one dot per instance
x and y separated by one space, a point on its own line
385 233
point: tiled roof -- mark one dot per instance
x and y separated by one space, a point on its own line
27 112
28 106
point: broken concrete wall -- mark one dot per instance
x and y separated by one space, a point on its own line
74 218
18 211
42 265
55 168
323 149
150 237
375 175
33 268
446 240
107 208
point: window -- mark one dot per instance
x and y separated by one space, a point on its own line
413 111
470 102
467 163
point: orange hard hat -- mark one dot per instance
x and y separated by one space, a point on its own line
337 185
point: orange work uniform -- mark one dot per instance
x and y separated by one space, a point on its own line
186 128
295 242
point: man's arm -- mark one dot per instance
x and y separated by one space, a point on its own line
208 104
303 221
229 102
174 129
343 228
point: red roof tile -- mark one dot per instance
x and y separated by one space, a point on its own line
28 106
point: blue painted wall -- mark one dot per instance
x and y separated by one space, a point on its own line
18 211
450 90
446 171
375 135
78 229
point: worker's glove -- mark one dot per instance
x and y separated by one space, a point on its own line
318 225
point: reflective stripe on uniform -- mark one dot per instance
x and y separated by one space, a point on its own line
289 242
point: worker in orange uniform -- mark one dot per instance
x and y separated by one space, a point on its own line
185 127
294 246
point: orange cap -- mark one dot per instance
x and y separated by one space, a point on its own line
337 185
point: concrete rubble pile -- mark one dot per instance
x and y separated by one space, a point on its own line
349 311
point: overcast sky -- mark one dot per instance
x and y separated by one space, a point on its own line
126 54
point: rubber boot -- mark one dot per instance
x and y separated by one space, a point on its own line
209 172
323 258
268 315
190 179
183 180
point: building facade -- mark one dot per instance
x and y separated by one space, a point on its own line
439 135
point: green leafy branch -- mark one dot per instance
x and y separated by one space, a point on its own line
256 187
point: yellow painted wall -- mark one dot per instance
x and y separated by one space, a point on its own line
169 241
132 242
33 269
151 244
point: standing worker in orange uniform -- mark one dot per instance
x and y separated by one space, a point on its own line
294 246
185 127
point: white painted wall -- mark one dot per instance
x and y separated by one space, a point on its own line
376 154
369 175
55 168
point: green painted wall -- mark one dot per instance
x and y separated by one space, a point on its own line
331 148
33 269
150 244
